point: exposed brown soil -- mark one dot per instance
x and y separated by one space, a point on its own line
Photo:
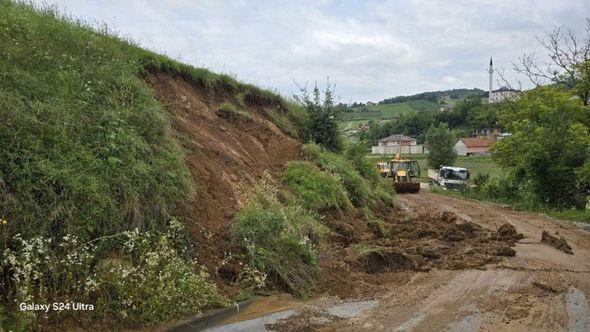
226 158
538 289
356 262
441 252
507 232
558 243
306 320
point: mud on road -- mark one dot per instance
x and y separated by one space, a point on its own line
537 287
540 288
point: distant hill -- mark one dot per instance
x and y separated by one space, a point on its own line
387 111
433 96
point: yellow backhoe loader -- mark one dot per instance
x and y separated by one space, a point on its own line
403 172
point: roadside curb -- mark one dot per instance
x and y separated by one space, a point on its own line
199 322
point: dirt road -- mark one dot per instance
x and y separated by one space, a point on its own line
541 288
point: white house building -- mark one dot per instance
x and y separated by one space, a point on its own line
398 144
471 145
501 94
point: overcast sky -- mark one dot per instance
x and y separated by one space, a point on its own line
370 49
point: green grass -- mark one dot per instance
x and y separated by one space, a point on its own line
359 190
316 190
279 241
85 147
480 165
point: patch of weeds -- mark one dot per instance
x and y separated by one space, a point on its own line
358 189
280 241
282 122
145 278
385 192
378 227
315 190
231 113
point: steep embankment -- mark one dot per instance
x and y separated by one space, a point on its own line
109 153
226 158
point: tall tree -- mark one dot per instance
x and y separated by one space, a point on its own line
568 65
548 153
441 144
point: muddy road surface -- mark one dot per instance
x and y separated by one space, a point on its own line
541 288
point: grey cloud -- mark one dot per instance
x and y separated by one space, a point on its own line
370 49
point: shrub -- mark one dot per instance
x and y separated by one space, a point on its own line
280 241
315 190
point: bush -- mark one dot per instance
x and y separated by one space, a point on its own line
548 147
315 190
280 241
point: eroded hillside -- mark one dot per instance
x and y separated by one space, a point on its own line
226 158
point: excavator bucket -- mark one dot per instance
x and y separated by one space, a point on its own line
406 187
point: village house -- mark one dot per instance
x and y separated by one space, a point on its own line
501 94
471 145
398 144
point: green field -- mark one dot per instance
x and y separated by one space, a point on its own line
475 164
388 111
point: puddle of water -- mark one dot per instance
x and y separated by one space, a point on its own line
351 309
269 310
256 324
264 306
578 313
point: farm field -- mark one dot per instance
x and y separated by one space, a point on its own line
388 111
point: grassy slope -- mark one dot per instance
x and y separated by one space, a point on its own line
86 150
84 145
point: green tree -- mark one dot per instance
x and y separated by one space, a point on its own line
322 124
441 143
548 148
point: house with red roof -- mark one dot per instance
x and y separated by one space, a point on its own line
470 145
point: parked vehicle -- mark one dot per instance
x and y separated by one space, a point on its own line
403 171
448 177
